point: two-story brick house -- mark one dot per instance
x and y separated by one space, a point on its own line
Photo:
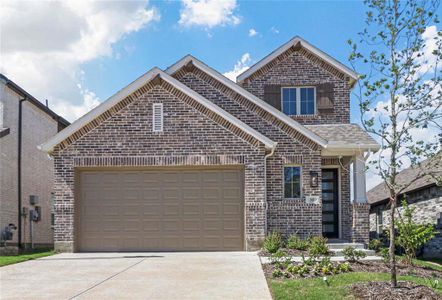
185 159
25 172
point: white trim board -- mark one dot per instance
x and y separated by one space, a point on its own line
294 41
49 145
241 91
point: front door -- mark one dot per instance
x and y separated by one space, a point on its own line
330 203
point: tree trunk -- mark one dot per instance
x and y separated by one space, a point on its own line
393 279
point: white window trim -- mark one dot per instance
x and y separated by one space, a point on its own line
154 107
298 96
300 182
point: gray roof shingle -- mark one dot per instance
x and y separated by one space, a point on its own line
380 192
344 134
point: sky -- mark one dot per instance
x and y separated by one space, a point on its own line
77 54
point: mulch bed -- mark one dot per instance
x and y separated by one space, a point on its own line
368 266
290 252
382 291
402 269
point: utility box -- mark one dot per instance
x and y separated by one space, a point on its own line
33 199
35 215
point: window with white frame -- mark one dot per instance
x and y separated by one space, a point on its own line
298 101
292 182
157 117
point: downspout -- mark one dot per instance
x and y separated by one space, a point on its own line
20 112
265 184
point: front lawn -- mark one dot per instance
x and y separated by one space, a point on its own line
316 288
13 259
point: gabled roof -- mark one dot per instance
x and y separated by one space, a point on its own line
380 194
298 41
241 91
134 86
19 90
345 136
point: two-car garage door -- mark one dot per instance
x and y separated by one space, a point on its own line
160 210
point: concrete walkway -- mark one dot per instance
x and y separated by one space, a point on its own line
207 275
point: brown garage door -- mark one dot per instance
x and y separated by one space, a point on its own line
160 210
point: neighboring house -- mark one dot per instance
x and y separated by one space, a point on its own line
423 194
186 159
24 170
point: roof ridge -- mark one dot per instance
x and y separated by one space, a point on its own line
303 43
243 92
49 145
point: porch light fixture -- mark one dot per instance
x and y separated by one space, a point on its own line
313 179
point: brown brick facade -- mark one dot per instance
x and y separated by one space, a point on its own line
298 68
123 137
126 140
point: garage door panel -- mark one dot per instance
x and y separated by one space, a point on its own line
212 209
168 210
171 209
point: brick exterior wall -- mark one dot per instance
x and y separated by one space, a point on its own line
37 168
427 204
300 68
428 210
361 226
189 138
284 216
123 137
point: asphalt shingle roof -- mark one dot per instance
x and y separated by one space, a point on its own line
380 193
345 134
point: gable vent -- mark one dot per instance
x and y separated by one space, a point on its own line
157 117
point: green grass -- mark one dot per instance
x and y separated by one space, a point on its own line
316 288
428 264
13 259
434 260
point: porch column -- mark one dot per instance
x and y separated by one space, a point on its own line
360 195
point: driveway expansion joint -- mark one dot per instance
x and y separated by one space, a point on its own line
106 279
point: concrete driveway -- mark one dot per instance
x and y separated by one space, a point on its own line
202 275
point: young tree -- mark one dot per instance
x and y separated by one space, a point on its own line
400 92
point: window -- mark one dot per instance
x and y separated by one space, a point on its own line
298 100
157 117
292 182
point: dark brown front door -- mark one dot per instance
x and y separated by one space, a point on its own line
330 204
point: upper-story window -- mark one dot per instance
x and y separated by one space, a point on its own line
298 100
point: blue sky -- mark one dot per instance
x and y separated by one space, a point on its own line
77 54
326 24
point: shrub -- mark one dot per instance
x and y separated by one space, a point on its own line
273 242
304 269
375 245
277 257
277 273
412 236
344 267
318 246
293 269
385 254
295 242
351 254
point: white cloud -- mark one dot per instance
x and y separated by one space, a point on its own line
252 32
428 59
240 66
274 30
208 13
382 109
43 45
